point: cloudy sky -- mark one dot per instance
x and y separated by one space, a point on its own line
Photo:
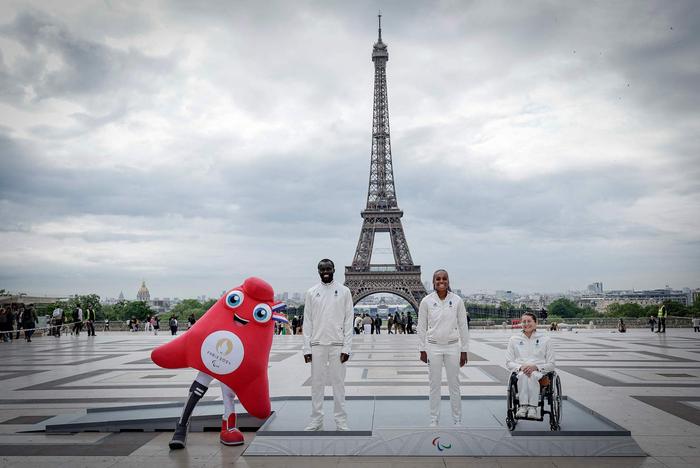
538 146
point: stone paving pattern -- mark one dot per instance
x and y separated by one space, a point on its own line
646 382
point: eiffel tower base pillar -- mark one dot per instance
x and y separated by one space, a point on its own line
405 284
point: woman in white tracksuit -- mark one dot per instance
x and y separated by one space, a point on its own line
443 339
531 355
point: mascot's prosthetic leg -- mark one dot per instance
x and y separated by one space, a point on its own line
231 342
230 435
197 391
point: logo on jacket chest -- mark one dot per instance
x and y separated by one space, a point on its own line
537 342
437 307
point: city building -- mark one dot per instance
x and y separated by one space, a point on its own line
143 294
600 302
505 295
160 306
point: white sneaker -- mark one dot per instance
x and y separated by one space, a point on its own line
341 426
522 412
532 412
434 423
314 426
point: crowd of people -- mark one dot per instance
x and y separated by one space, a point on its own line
19 318
73 323
23 317
397 323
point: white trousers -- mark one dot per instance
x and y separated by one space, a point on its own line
447 357
326 366
529 388
368 329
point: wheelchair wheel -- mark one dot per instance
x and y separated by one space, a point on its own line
555 416
512 402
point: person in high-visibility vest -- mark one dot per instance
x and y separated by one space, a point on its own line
662 314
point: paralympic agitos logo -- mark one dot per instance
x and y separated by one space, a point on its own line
440 446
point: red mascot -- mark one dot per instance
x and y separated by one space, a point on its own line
230 343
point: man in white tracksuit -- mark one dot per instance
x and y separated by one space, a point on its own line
443 339
531 355
328 321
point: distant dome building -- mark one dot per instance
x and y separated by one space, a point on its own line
143 294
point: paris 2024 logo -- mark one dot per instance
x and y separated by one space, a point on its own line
222 352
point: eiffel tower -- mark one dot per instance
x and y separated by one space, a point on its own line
382 213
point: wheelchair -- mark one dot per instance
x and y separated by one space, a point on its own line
550 392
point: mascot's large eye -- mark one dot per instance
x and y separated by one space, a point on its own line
234 299
262 313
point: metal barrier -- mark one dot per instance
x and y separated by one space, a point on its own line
585 322
66 328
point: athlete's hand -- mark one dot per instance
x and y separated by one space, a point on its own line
307 358
463 359
344 357
424 356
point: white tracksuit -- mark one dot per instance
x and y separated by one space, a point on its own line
536 350
443 334
328 320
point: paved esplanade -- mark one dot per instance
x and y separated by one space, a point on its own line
647 383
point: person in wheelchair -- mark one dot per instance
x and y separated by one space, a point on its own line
530 355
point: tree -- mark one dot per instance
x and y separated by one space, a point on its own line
695 308
91 301
565 308
107 313
625 310
187 307
507 306
676 309
124 310
138 310
293 311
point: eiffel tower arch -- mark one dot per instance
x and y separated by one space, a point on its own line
382 213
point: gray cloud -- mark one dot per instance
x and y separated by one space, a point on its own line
266 192
539 147
86 67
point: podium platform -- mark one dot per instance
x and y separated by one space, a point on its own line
145 418
379 426
398 426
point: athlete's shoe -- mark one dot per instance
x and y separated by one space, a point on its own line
522 412
341 426
315 426
230 435
532 412
179 439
